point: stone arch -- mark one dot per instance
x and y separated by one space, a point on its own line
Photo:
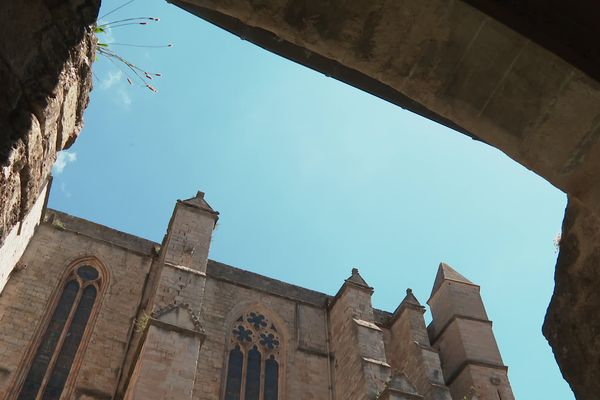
86 279
268 335
241 307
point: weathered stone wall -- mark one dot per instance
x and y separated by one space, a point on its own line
46 52
305 370
167 365
331 347
23 304
572 325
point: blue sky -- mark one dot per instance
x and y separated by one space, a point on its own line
313 177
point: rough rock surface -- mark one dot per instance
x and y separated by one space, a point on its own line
46 51
572 325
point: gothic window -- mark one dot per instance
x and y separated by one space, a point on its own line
60 342
253 366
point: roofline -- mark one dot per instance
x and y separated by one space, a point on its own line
84 227
146 248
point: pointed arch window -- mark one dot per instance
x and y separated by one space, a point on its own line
253 365
64 335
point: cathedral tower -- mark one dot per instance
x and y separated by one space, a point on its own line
462 332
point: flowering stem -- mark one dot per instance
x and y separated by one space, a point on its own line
116 9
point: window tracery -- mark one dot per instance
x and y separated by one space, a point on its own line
253 362
60 342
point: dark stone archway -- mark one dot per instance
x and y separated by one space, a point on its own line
522 76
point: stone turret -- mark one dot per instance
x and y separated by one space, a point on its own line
189 233
410 351
174 336
461 330
361 369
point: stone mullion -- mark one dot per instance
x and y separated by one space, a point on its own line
244 370
85 338
61 340
261 382
264 351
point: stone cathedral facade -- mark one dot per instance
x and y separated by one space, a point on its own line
89 312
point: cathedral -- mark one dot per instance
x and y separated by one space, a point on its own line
88 312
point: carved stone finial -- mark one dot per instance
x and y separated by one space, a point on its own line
356 279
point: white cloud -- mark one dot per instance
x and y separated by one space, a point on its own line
124 98
63 158
112 79
63 188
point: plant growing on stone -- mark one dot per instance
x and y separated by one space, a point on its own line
133 73
142 322
58 224
556 242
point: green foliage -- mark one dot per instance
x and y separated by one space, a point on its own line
58 224
556 242
142 322
135 74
